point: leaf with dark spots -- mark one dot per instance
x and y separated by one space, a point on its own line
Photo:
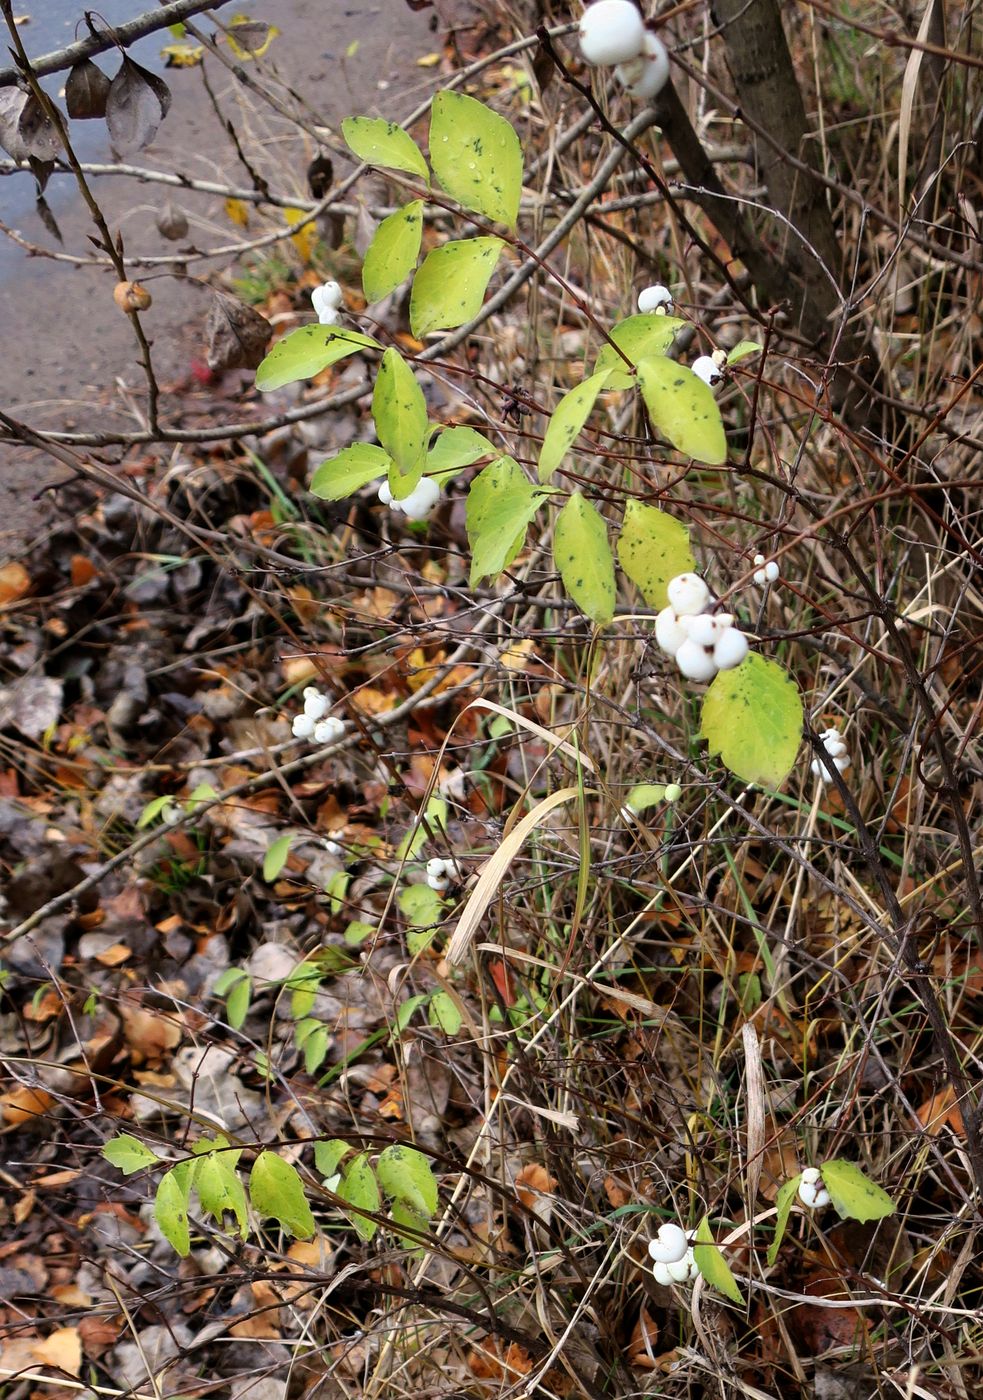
237 335
137 103
86 91
26 131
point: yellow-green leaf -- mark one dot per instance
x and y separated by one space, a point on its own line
653 548
712 1264
276 857
476 156
752 717
392 254
276 1190
400 414
639 337
569 416
784 1202
682 408
406 1175
450 286
359 1188
853 1194
379 142
583 557
500 505
306 351
353 468
128 1154
455 449
171 1209
742 350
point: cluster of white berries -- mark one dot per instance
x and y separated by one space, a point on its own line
657 299
613 34
702 643
710 368
672 1256
327 300
764 573
315 723
812 1192
835 747
441 874
418 504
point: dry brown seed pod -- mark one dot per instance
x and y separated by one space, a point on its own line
130 296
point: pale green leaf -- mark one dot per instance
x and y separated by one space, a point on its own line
712 1264
404 1215
227 979
501 503
353 468
854 1195
476 156
742 350
171 1209
128 1154
645 795
154 808
639 337
328 1155
276 857
455 449
303 984
569 416
306 351
313 1040
653 548
445 1013
400 415
431 820
276 1190
419 939
421 905
450 286
784 1202
337 888
407 1010
237 1002
682 408
582 554
359 1187
220 1190
379 142
752 717
392 254
406 1175
357 932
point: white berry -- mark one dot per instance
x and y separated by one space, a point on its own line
811 1175
421 500
655 298
695 662
647 75
704 368
669 631
703 629
730 649
662 1274
385 493
326 299
326 731
438 882
812 1193
771 571
303 726
688 594
611 31
316 705
673 792
679 1272
669 1245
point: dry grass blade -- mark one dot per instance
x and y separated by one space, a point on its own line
909 87
754 1095
547 735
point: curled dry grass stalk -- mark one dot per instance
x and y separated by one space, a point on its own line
665 1018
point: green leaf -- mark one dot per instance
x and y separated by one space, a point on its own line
400 414
129 1154
784 1202
455 449
444 1013
450 286
406 1216
639 337
303 984
328 1155
682 408
407 1010
421 905
432 819
379 142
392 254
853 1194
712 1264
353 468
500 505
357 932
645 795
582 554
276 857
171 1209
653 548
313 1039
476 156
276 1190
752 717
359 1187
337 888
204 792
406 1175
569 416
237 1002
220 1190
742 350
306 351
154 808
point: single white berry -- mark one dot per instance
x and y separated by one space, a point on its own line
771 571
385 493
704 628
669 1245
673 792
695 662
679 1272
730 649
759 559
645 77
326 731
326 299
662 1274
719 358
669 631
812 1193
421 500
704 368
316 705
811 1175
303 726
688 594
438 882
655 298
611 31
841 764
760 577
